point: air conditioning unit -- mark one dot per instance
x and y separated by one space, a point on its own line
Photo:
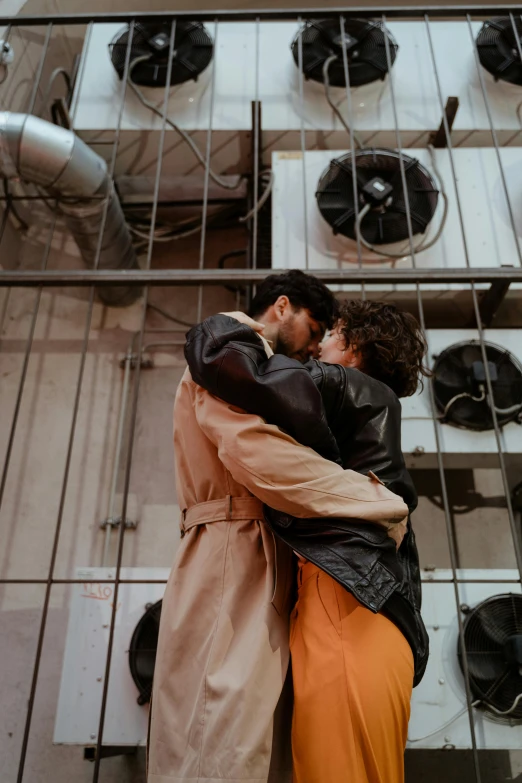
467 437
322 184
132 664
491 613
97 95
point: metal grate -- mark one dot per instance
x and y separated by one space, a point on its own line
257 257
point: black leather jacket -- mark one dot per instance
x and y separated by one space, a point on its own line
347 417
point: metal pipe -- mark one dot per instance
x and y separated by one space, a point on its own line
275 14
58 160
221 277
117 452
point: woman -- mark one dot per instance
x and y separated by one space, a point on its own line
358 643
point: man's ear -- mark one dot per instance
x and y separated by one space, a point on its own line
281 305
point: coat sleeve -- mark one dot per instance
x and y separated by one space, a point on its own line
228 359
287 476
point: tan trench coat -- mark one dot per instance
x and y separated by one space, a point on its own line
223 643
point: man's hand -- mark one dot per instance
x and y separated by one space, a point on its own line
245 319
397 531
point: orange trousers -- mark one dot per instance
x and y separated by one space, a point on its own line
353 678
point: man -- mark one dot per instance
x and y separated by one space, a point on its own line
223 642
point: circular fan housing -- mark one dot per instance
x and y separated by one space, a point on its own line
142 651
498 48
365 48
386 221
193 49
493 641
460 370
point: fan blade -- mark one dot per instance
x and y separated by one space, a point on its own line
360 173
373 62
325 34
187 64
505 64
366 30
486 666
407 166
308 67
347 215
487 618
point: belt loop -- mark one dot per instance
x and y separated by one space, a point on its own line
182 522
228 508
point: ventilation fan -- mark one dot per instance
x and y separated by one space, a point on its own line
193 49
379 189
493 641
498 49
365 49
142 651
460 389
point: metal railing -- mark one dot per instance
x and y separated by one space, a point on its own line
468 276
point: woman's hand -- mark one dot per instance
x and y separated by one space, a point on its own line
245 319
397 531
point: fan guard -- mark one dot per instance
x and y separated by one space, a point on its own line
459 369
365 49
498 49
493 641
142 651
193 50
385 222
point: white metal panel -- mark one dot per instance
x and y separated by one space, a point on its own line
489 236
438 714
96 103
81 686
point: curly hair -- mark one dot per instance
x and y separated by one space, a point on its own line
303 291
389 341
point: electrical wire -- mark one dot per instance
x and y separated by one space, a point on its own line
475 703
168 316
424 244
52 78
461 396
262 199
326 82
11 206
185 136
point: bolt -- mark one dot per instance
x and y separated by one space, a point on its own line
441 680
464 608
98 679
447 739
93 736
435 627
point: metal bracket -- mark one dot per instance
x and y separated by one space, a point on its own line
492 299
438 137
106 751
114 522
147 362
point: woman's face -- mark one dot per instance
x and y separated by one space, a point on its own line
334 350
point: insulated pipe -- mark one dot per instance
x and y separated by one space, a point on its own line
59 161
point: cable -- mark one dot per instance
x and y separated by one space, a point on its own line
5 72
195 149
460 396
262 199
326 82
168 316
441 728
476 703
518 110
10 205
423 245
52 78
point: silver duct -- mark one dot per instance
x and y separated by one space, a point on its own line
59 161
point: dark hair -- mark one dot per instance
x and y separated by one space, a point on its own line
390 343
303 291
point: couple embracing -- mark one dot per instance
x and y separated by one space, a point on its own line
296 544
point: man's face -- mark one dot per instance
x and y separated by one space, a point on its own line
299 335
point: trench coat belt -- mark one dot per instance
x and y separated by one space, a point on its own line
224 509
